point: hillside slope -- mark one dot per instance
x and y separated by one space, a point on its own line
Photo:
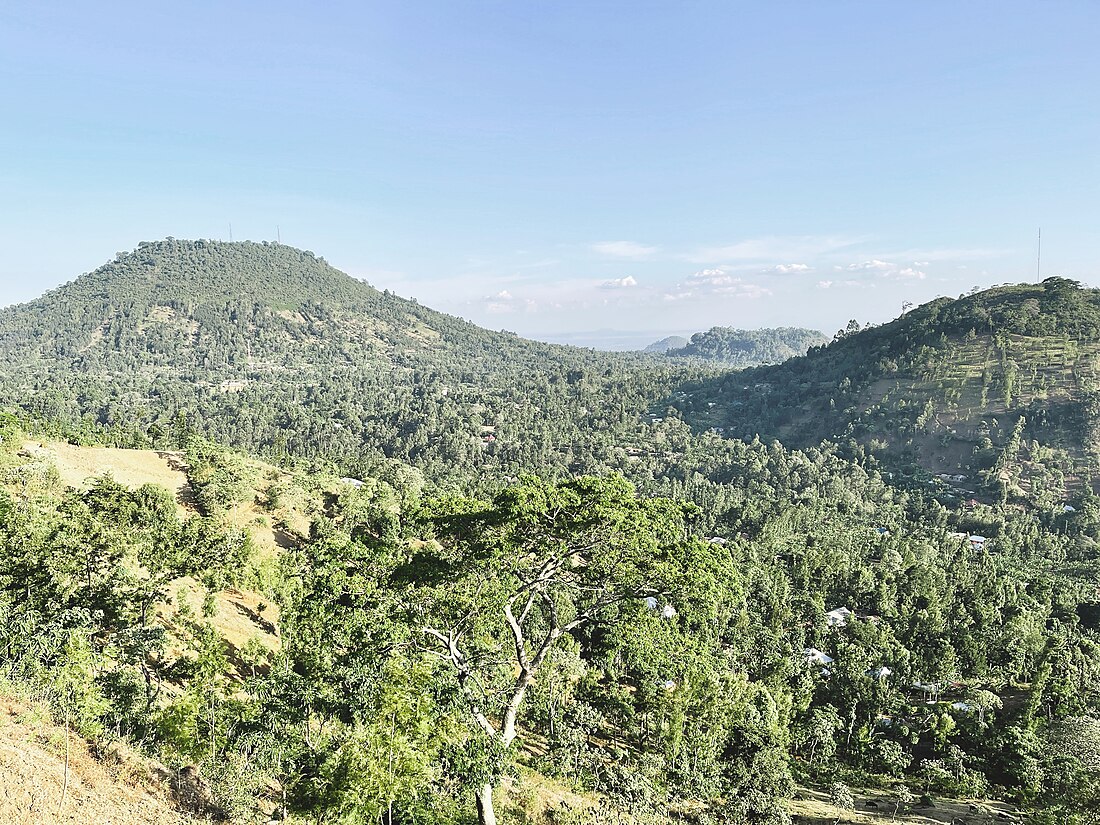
995 390
270 349
209 308
48 774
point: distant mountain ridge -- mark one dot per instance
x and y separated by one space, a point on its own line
666 344
741 347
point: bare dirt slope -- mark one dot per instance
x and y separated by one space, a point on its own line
33 789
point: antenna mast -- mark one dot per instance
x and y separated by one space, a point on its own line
1039 257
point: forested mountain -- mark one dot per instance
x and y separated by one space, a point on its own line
231 310
743 347
270 349
551 573
996 390
665 344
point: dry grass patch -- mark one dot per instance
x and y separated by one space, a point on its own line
76 466
39 787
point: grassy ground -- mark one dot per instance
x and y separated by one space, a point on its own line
77 466
811 807
48 776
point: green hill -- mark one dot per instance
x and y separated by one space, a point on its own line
746 347
666 344
214 309
997 390
270 349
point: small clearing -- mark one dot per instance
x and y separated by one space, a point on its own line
77 466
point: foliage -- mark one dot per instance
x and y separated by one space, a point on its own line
745 347
647 619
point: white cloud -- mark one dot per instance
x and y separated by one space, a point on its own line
710 277
504 303
788 269
871 266
848 283
886 269
678 294
714 282
624 249
619 283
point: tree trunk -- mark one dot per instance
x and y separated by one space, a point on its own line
486 814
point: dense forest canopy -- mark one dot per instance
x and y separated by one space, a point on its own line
666 590
745 347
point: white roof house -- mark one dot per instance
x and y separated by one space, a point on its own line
838 617
668 612
977 542
814 656
880 672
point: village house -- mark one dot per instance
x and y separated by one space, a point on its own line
814 656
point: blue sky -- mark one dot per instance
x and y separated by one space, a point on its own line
555 168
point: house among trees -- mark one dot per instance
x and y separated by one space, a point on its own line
817 657
838 617
977 542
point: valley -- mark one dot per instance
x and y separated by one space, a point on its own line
347 559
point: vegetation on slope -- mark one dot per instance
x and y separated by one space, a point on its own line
746 347
655 622
664 672
998 388
269 349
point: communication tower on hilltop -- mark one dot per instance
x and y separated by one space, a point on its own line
1039 257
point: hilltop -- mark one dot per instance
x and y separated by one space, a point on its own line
996 391
210 308
269 349
741 347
